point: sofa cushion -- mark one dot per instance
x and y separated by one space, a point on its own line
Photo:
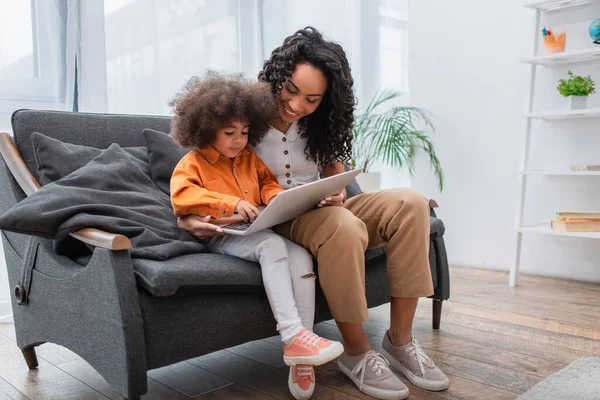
100 195
208 272
204 271
163 156
57 159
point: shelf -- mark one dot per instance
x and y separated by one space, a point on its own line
560 172
552 5
587 113
569 57
545 229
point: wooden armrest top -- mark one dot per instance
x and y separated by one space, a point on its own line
17 166
30 185
105 240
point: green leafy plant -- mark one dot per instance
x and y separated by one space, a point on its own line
576 86
393 136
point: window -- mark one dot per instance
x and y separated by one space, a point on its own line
147 63
31 50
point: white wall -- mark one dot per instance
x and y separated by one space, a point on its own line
464 67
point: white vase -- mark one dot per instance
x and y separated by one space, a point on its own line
369 181
577 102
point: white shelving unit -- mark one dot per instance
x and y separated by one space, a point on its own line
548 61
553 5
570 57
545 229
544 172
588 113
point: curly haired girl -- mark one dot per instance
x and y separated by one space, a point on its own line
219 115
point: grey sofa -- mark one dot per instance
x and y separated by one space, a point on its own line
94 299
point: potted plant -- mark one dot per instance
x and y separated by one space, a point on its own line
577 88
392 136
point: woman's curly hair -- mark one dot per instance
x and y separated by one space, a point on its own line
207 104
329 129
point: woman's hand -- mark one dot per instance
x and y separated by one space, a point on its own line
336 200
199 227
246 210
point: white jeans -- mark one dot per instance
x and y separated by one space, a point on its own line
287 272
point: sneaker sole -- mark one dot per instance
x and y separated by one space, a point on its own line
298 393
434 386
331 353
382 394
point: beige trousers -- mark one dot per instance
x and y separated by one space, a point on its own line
338 237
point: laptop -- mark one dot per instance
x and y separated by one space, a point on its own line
289 204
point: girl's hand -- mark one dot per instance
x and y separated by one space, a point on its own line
246 210
199 227
336 200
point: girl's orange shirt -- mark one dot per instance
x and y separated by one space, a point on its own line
207 183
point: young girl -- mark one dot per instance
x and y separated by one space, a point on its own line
219 116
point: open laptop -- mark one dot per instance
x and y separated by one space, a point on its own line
289 204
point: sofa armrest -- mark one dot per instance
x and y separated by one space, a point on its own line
17 166
30 185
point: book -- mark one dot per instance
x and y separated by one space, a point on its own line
585 168
578 214
576 225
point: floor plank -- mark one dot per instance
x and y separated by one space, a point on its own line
234 392
262 351
8 330
8 392
501 277
581 345
46 382
498 340
55 354
188 379
547 311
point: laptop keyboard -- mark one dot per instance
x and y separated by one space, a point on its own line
238 226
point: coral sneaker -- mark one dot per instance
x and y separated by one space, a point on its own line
310 349
302 381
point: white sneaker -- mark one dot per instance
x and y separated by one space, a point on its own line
301 381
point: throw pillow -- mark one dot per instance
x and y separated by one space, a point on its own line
113 193
57 159
163 156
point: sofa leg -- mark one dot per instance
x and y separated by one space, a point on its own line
437 313
30 357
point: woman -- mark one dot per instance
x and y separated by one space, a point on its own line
311 81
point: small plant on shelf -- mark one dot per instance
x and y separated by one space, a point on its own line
576 86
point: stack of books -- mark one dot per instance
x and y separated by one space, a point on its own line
576 221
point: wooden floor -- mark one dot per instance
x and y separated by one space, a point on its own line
494 343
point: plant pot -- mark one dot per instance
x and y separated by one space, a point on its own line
369 181
577 102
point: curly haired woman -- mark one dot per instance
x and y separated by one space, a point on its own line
311 82
218 116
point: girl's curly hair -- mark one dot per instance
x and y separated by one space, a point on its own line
207 104
329 128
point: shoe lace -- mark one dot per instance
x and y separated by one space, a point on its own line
304 371
375 361
419 354
309 338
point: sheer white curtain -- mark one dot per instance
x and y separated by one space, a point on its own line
154 46
38 54
38 50
148 61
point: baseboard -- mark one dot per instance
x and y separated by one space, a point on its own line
5 311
